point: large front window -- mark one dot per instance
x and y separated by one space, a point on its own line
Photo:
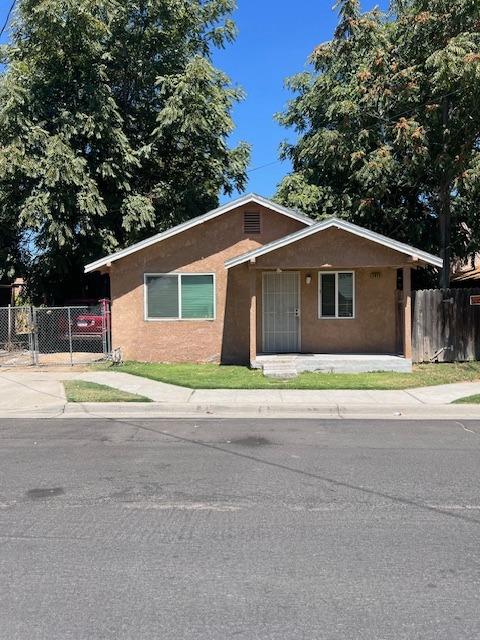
179 296
336 294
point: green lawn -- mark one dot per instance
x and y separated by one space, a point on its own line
468 400
82 391
211 376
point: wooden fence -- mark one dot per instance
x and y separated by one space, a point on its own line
446 328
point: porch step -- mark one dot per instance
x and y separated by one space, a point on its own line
283 369
290 366
283 373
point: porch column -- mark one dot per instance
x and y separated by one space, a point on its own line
407 312
253 313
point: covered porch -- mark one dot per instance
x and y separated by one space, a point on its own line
331 298
289 335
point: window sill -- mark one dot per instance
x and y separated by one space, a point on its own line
179 319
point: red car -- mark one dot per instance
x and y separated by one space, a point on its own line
86 325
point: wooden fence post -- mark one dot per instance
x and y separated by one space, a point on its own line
407 312
446 327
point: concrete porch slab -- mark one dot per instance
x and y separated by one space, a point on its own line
290 364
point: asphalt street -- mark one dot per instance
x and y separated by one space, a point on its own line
220 529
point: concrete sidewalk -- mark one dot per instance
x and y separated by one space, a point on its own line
40 393
161 392
29 392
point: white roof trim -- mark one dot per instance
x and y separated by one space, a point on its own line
345 226
247 199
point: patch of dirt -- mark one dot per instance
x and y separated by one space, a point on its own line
78 357
15 358
21 360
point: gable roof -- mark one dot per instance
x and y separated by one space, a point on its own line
338 224
184 226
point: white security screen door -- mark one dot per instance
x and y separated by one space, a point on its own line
281 312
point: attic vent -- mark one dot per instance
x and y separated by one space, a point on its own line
251 222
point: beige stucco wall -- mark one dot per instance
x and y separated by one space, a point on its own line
205 249
372 330
333 248
202 249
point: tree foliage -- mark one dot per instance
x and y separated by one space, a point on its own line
113 126
388 123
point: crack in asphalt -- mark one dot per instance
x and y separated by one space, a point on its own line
466 428
338 483
409 502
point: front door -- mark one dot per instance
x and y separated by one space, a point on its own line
281 312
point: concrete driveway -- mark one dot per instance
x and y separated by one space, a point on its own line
31 390
269 530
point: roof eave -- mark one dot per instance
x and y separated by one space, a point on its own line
184 226
419 255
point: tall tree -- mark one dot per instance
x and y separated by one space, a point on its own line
113 125
389 124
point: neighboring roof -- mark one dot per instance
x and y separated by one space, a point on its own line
247 199
344 226
464 276
468 269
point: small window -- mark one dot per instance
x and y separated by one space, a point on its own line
251 223
336 294
328 295
162 296
179 296
197 296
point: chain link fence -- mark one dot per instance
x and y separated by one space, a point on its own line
54 335
16 336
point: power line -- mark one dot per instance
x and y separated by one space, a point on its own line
390 120
7 18
262 166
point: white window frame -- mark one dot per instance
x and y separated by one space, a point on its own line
319 290
179 287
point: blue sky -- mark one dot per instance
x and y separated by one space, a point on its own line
274 41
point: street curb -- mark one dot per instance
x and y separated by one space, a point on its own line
289 411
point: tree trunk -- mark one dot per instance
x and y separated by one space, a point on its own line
445 208
445 235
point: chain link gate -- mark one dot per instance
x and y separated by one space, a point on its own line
54 335
17 345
